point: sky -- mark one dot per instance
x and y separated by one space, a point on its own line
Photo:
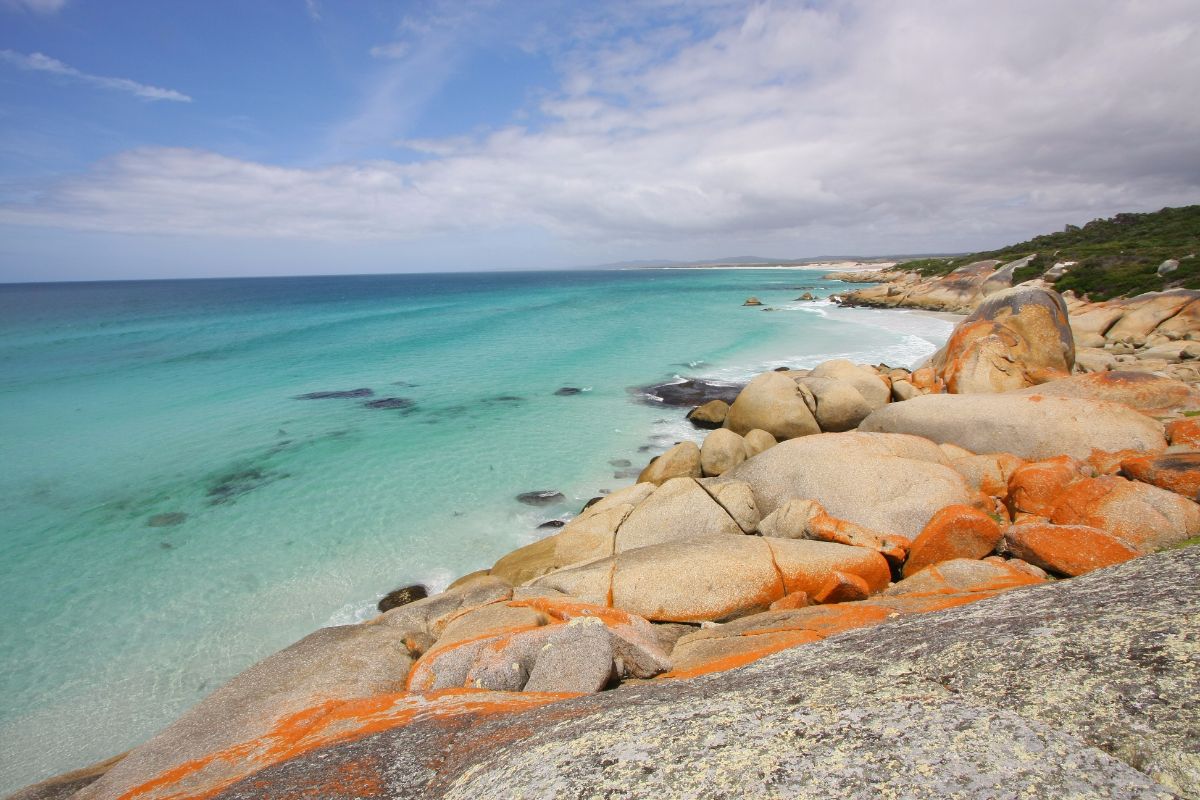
162 138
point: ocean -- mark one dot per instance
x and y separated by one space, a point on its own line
171 512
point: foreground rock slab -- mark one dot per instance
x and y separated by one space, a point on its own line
932 709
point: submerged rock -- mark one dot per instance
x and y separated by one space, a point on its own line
689 392
402 596
540 498
336 395
400 403
166 520
567 391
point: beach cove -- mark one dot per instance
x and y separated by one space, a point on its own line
131 404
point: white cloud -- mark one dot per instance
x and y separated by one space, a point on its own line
852 127
390 50
38 62
36 6
313 9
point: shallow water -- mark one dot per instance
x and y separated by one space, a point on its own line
170 512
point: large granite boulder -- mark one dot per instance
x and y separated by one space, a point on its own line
772 402
1015 338
681 461
890 484
1080 688
679 509
1148 393
873 389
714 577
1028 426
722 451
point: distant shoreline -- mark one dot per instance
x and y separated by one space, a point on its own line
836 266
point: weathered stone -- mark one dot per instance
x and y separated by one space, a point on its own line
1101 709
1015 338
758 441
772 402
679 509
1144 517
1184 432
954 532
1066 549
578 657
962 575
836 405
1151 394
722 451
402 596
1028 426
737 499
714 577
710 415
487 620
681 461
873 389
1034 487
1178 472
903 390
806 519
1147 311
988 472
890 484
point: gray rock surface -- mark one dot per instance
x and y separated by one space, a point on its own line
1084 688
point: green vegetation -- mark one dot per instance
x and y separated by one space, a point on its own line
1192 542
1115 257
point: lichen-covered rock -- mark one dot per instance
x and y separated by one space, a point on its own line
1029 426
772 402
1034 487
1184 432
1178 472
1148 393
1142 516
1066 549
1015 338
890 484
925 707
714 577
681 461
962 575
954 532
806 519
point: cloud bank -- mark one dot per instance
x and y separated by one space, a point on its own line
851 126
38 62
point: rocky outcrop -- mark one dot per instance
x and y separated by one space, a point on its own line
1029 426
960 291
890 484
921 706
1015 338
772 402
681 461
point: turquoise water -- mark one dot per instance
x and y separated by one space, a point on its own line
120 402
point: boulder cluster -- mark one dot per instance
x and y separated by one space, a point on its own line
823 501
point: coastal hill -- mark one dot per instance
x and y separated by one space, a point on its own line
975 578
1104 258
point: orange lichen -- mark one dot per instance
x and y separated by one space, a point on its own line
1185 432
325 723
791 601
788 640
1176 472
1067 549
1034 487
956 531
842 587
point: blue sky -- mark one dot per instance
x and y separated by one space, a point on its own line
172 139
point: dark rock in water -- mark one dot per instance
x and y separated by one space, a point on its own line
690 392
166 520
405 384
552 523
402 596
336 395
400 403
646 448
620 462
782 369
540 498
622 474
567 391
504 398
591 503
233 484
